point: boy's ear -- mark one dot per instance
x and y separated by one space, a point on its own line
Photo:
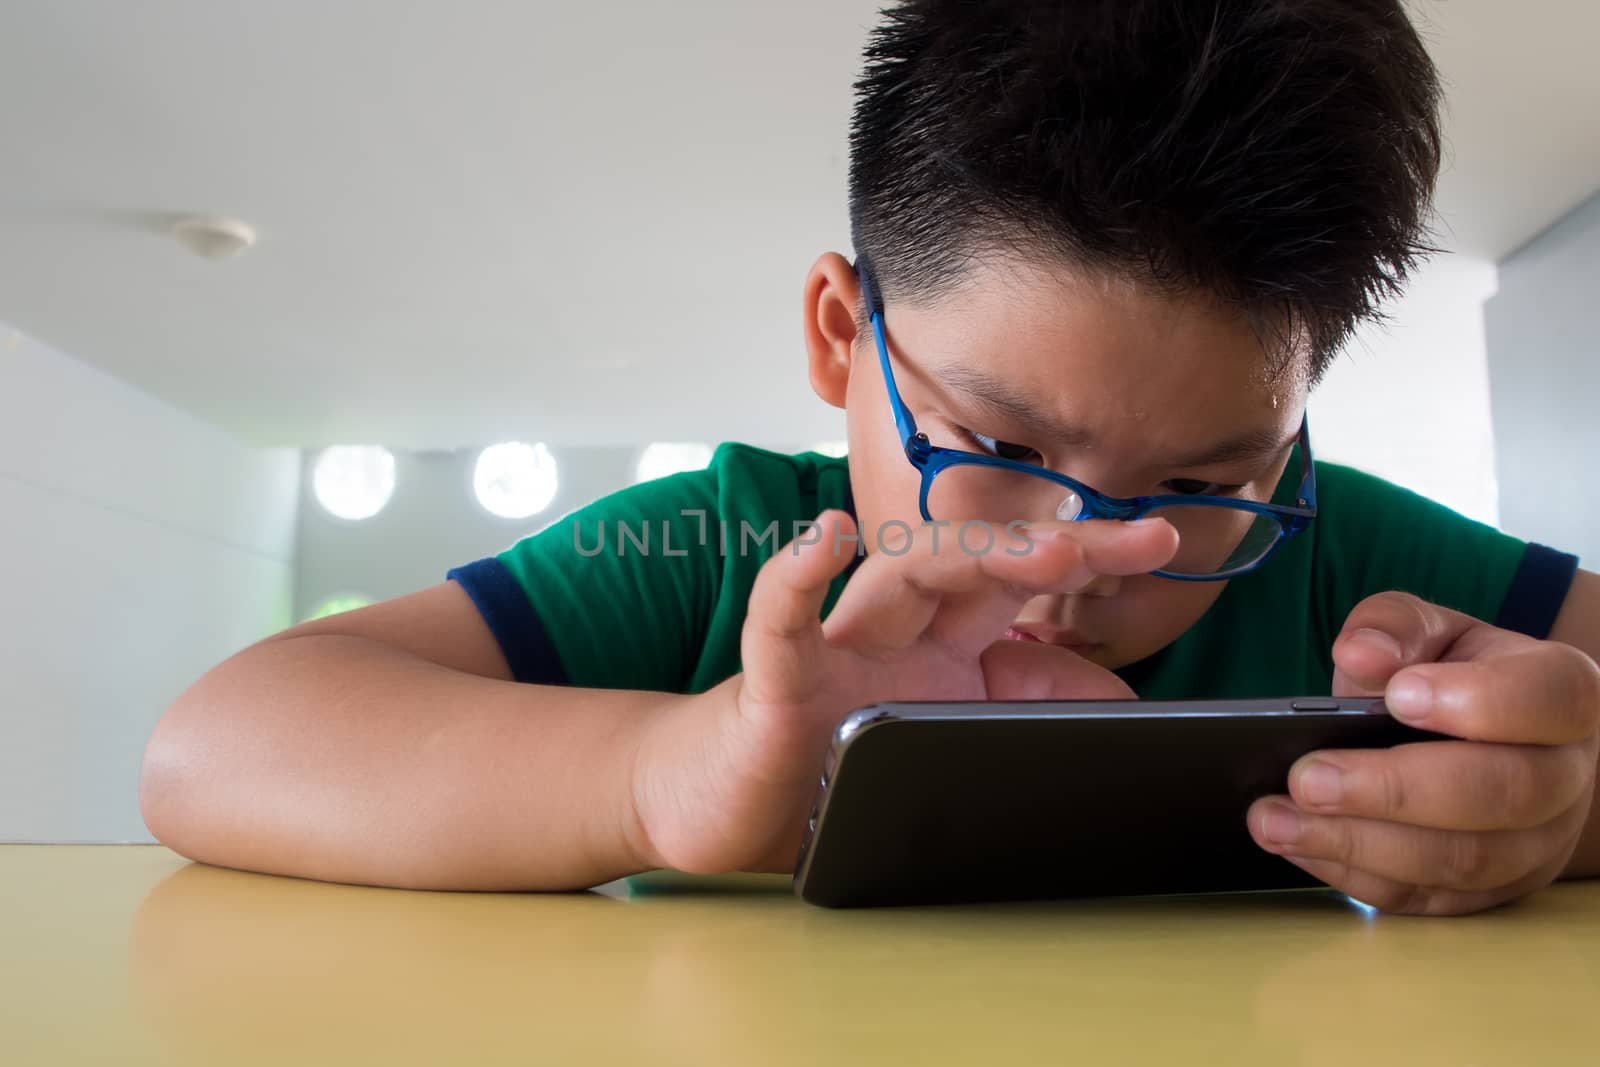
833 292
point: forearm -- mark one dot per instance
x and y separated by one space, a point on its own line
344 759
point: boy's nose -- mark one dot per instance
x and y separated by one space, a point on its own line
1103 585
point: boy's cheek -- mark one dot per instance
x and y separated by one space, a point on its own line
1146 615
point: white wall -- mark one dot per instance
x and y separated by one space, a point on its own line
432 523
1544 361
1410 401
139 546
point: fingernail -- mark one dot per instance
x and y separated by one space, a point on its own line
1281 825
1409 697
1321 784
1378 641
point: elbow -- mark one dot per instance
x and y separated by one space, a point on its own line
169 784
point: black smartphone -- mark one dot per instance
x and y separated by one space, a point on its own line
936 803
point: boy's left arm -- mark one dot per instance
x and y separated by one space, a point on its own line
1454 826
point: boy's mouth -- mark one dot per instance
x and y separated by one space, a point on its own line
1067 639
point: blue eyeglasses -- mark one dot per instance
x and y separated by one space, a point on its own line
1219 537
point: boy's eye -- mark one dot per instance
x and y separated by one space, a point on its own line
1004 449
1195 487
1023 454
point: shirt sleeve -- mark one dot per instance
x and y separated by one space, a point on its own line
615 595
520 632
1538 589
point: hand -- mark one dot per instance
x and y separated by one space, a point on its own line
1445 827
725 782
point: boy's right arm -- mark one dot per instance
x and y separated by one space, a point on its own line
389 746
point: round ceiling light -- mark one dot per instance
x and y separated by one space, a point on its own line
354 481
515 480
214 237
671 457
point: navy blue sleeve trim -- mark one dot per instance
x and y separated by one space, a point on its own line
1537 591
512 620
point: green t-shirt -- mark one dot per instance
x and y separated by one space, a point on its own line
647 588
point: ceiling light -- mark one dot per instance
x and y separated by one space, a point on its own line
354 481
671 457
213 237
515 480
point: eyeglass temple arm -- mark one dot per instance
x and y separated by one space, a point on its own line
903 420
1308 474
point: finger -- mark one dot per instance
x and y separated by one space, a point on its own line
787 596
1031 670
892 598
783 629
1104 547
1363 662
1445 785
1399 898
1388 631
1544 693
1476 860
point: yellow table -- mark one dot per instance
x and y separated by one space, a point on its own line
126 954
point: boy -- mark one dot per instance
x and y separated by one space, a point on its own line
1105 249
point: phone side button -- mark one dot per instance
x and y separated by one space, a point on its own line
1313 705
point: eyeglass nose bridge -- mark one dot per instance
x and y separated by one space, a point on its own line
1083 503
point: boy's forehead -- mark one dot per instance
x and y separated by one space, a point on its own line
1054 332
1195 435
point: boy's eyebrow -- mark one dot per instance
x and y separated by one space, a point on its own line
1005 401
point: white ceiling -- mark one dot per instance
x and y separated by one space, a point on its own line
584 224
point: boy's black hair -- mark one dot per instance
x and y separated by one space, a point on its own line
1278 154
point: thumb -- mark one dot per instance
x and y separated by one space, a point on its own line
1031 670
